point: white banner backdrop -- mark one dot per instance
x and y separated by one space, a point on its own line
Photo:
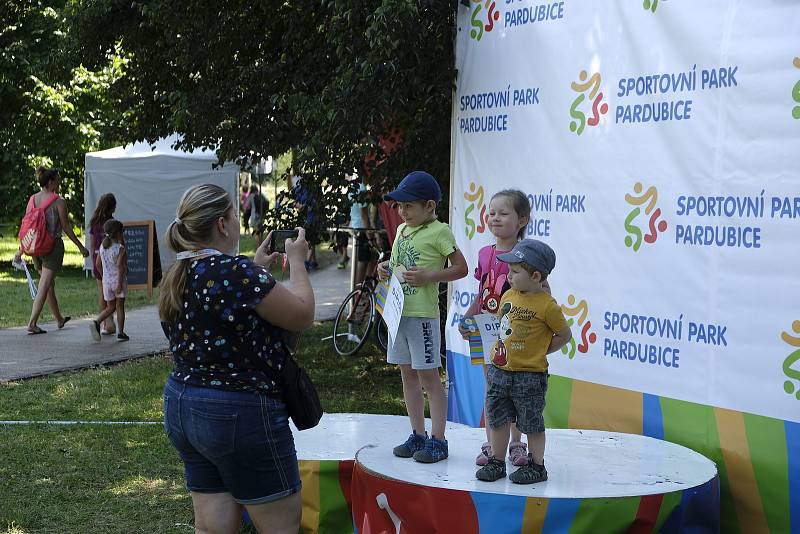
659 145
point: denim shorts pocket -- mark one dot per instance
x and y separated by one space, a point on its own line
213 435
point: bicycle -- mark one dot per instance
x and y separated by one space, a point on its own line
358 313
356 316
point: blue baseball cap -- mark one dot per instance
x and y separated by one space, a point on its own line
417 185
536 254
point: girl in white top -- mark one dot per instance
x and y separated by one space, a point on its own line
112 262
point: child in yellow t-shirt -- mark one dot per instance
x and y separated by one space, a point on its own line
531 327
422 247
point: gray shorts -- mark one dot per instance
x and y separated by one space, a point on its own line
417 343
54 259
516 396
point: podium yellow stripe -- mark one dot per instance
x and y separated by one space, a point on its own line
533 517
742 478
596 407
310 495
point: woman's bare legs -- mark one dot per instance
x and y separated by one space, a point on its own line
46 281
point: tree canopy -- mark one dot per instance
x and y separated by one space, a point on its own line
53 109
330 80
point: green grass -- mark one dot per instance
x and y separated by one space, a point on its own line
77 295
109 479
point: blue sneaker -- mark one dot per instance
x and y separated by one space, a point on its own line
413 444
435 451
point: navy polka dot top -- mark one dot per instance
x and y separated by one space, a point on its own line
218 339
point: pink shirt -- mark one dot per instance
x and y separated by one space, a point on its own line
492 275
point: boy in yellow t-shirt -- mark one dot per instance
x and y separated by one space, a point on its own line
420 251
531 327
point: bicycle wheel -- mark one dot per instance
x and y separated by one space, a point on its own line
381 332
350 335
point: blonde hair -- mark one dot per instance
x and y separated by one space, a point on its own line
198 211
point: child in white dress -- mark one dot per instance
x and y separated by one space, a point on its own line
112 262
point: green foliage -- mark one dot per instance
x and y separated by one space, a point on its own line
54 109
324 79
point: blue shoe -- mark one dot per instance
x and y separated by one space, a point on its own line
435 450
413 444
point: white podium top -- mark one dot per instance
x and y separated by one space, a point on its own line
580 464
339 435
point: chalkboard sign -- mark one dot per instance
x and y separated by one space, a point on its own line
144 262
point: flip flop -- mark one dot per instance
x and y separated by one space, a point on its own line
66 320
36 332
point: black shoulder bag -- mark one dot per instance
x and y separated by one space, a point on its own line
299 393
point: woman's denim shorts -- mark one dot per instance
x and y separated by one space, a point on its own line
230 441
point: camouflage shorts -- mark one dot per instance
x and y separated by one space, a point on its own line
516 396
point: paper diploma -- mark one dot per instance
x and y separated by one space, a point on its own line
389 302
484 330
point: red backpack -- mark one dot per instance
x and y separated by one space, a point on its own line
34 239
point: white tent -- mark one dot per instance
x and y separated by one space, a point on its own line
148 182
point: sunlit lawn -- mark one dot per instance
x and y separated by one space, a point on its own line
77 294
127 478
110 479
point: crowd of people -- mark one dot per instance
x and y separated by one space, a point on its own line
228 321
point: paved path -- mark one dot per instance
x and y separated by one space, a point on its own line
24 356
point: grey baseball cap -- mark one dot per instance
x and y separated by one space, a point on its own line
536 254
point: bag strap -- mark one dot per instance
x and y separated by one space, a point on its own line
46 203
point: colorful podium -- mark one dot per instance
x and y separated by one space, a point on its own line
598 482
326 453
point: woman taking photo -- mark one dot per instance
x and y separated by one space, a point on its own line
226 318
49 265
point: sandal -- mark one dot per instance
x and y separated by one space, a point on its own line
486 453
108 331
65 321
529 474
494 470
36 330
518 453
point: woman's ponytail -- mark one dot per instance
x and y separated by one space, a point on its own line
198 210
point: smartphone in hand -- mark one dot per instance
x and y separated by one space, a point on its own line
279 237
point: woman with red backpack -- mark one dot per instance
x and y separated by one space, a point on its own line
40 236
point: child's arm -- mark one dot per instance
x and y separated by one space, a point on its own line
98 262
474 309
383 271
122 267
560 339
458 269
